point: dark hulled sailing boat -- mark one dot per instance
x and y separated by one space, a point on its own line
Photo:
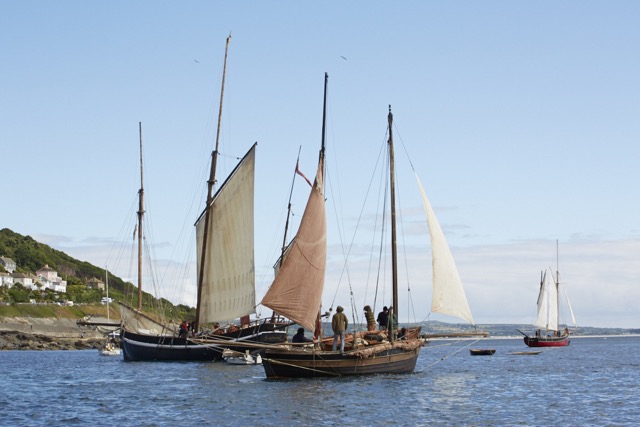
297 290
226 278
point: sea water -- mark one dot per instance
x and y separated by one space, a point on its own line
593 382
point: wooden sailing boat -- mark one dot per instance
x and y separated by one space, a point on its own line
226 276
548 332
296 294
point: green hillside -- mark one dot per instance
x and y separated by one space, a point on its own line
30 255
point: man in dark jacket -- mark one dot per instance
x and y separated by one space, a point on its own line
383 316
299 337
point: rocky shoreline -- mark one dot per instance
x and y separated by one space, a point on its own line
13 340
27 333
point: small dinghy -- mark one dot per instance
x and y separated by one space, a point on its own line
239 358
482 351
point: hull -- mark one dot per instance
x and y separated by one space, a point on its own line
110 352
139 347
547 341
482 351
296 363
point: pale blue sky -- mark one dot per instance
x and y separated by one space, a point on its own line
521 118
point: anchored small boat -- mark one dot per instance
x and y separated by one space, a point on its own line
482 351
238 358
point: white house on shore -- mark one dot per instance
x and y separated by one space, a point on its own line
6 279
48 277
45 278
26 280
8 264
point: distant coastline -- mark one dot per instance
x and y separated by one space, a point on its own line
47 333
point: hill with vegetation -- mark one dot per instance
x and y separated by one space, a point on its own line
30 255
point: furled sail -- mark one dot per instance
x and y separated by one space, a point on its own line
228 287
138 322
448 293
296 292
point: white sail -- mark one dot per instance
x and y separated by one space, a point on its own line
573 317
138 322
543 304
448 293
552 322
228 287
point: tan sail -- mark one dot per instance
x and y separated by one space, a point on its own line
448 293
228 287
296 292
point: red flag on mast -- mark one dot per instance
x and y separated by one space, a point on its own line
302 175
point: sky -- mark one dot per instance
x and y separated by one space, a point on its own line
520 118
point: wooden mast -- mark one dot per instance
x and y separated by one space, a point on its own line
140 214
286 225
210 182
394 255
324 120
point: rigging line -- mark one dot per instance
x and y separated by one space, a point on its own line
451 354
404 147
383 227
410 306
150 255
345 269
345 253
381 152
360 216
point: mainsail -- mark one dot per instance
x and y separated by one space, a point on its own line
296 291
548 304
448 293
228 286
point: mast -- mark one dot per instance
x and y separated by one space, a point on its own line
317 332
324 117
394 255
210 182
557 283
286 225
140 214
106 272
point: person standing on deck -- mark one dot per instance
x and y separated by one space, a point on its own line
383 317
339 323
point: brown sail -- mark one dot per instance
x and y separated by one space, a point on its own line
296 292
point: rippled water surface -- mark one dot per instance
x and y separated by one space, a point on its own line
594 381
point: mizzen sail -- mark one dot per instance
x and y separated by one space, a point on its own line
448 293
228 286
